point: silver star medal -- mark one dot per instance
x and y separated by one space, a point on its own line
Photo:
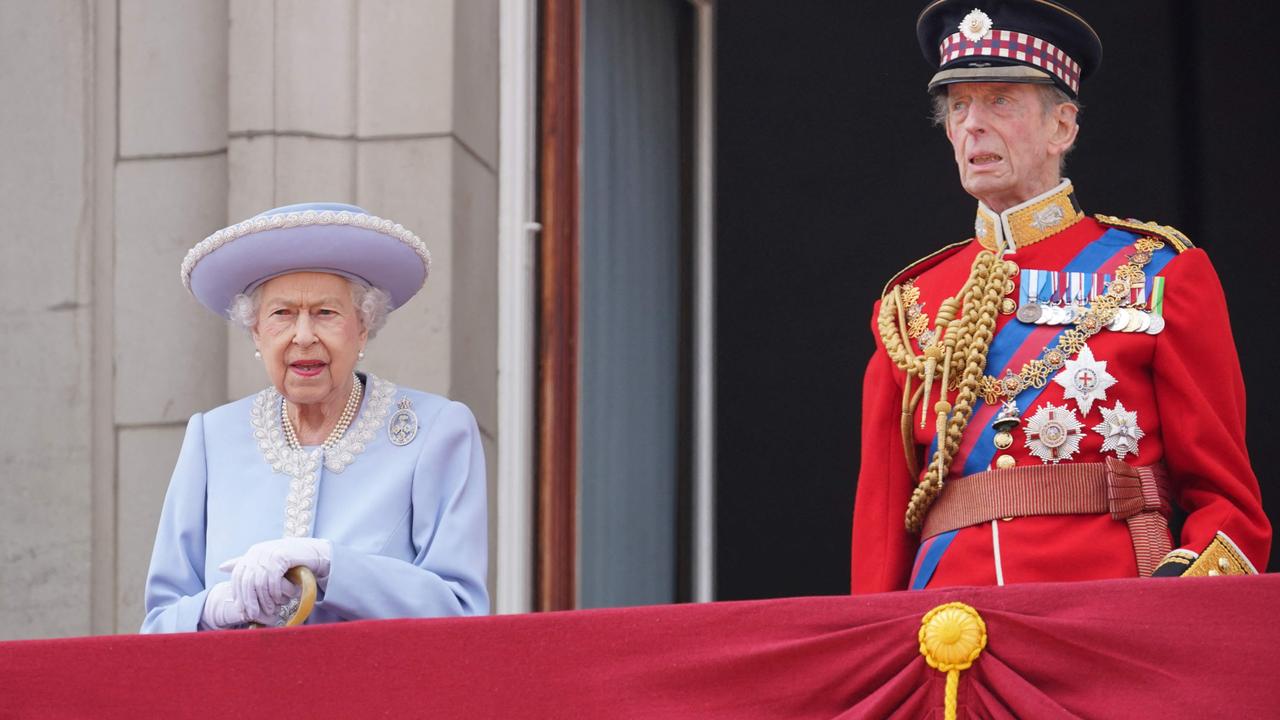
403 425
1053 433
1085 380
1119 430
976 26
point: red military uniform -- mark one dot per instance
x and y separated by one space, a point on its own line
1172 399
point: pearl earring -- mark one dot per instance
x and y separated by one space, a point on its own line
360 355
257 354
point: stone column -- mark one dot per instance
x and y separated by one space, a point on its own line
113 137
46 177
170 192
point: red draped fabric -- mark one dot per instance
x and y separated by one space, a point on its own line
1169 648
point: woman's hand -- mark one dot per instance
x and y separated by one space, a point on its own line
257 577
221 611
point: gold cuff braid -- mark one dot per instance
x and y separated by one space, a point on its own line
1222 557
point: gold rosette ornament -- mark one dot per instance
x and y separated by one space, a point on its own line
952 636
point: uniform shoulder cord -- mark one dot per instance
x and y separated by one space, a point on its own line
961 347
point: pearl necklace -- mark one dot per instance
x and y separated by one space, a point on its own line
344 421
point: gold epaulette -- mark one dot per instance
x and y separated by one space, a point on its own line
1175 237
906 273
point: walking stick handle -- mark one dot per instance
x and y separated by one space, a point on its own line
301 576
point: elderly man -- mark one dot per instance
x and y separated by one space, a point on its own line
1042 394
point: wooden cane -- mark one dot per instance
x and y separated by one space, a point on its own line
301 576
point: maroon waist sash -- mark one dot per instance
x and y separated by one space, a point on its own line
1137 495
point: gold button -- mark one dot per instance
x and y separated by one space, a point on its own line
1011 267
1008 306
1213 573
1004 462
1224 564
1009 287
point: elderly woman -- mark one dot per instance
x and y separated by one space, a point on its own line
379 490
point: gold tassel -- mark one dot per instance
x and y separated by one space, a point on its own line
943 409
908 437
946 313
931 354
902 324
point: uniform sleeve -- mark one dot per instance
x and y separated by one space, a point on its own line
450 537
1201 398
882 548
175 591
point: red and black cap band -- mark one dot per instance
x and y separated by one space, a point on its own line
1024 41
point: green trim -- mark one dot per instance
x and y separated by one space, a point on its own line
1157 296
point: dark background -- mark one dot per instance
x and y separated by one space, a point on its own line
830 179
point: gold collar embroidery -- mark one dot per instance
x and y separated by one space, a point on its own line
1030 222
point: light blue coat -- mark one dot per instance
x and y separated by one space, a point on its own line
407 522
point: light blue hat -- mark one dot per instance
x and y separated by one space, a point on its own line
318 237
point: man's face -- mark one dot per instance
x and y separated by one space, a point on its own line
1007 147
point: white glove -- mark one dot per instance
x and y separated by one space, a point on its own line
221 611
278 618
257 577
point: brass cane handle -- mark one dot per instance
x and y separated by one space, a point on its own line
301 576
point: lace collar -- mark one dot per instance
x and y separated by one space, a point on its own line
301 465
264 416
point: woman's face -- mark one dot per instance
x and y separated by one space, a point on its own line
309 334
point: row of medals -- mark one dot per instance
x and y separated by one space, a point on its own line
1131 319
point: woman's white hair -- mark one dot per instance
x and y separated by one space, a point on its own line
372 303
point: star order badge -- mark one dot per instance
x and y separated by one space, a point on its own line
1085 380
403 425
1053 433
1119 430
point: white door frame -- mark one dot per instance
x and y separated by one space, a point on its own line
517 184
704 304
